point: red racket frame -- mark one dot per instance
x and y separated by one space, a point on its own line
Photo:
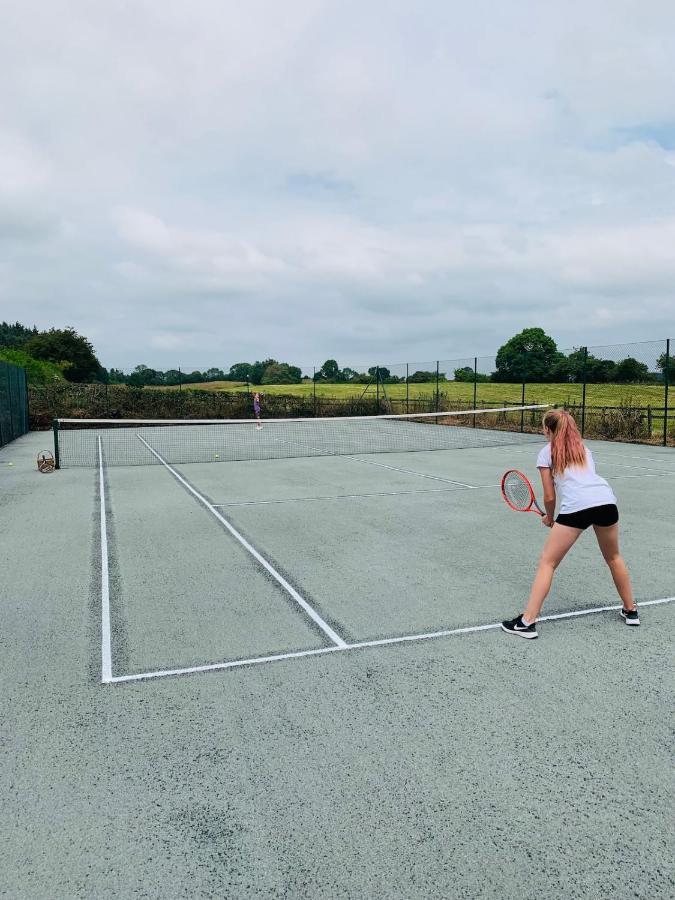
533 500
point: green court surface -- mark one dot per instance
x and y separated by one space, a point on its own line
284 678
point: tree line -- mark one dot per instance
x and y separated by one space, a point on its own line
532 356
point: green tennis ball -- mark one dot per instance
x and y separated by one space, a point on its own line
10 464
216 456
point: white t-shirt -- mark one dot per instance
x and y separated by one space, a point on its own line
578 487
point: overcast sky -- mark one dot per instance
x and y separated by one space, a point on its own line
201 182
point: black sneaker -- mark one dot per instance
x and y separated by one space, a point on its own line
517 626
630 616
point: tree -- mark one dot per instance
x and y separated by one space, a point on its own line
466 373
214 375
350 374
380 372
258 370
15 336
38 371
329 371
68 349
661 364
529 355
240 372
281 373
142 376
631 370
600 371
421 377
116 376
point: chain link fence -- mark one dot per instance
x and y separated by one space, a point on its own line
619 392
13 402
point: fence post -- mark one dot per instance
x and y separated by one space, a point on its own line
437 369
180 380
475 386
314 388
583 392
407 387
377 389
665 393
522 393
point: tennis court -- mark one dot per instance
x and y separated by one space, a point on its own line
283 676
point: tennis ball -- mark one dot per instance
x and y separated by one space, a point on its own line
216 456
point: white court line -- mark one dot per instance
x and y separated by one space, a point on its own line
312 613
461 488
370 462
643 475
257 660
106 652
333 497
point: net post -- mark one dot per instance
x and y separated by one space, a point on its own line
475 386
665 393
57 457
407 388
583 391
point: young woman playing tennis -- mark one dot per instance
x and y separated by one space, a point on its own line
567 469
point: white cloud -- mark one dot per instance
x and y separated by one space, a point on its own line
321 178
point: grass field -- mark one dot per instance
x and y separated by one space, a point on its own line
490 392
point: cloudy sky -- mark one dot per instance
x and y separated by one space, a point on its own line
200 182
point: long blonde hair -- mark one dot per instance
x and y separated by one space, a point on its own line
567 447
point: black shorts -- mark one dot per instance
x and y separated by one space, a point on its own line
604 516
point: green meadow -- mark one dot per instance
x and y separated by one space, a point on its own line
495 393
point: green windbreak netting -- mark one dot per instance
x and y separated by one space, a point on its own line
13 403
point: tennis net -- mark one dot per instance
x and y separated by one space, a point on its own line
128 442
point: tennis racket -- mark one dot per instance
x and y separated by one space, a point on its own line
519 494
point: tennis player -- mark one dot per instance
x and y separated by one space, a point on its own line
567 471
256 409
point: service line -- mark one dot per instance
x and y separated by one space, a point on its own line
382 642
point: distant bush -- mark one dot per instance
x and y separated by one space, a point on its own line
117 401
38 371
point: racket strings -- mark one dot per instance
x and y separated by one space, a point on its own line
517 491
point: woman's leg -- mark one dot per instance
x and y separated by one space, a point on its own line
608 539
561 539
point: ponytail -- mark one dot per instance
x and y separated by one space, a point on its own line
567 448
